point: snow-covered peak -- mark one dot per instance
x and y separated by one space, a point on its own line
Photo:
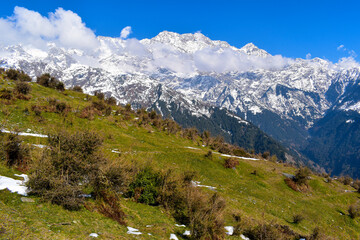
186 43
252 50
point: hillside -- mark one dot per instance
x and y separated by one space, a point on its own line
254 189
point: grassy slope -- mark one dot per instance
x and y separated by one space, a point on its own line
260 198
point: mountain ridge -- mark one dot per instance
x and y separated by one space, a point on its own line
289 95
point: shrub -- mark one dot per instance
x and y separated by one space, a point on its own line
237 227
128 107
205 215
356 184
60 86
36 109
292 184
316 234
6 94
240 152
61 107
99 95
346 180
22 87
231 163
153 115
145 187
99 105
89 112
354 210
111 101
273 158
44 79
302 176
190 133
109 206
206 136
47 80
77 88
16 154
186 203
297 218
173 194
107 111
263 231
23 97
265 155
69 167
12 74
24 77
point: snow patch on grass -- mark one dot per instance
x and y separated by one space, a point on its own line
197 184
133 231
173 236
245 158
25 133
15 186
229 230
192 148
94 235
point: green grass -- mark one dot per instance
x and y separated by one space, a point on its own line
259 198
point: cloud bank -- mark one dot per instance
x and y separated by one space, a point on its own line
66 29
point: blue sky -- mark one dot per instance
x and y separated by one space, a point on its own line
291 28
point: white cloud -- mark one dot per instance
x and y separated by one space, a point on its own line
352 53
347 63
341 47
65 28
125 32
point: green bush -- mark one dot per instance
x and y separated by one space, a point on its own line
231 163
111 101
77 88
100 95
265 155
240 152
47 80
297 218
302 175
12 74
24 77
205 215
346 180
264 231
70 166
354 210
145 187
6 94
22 88
60 86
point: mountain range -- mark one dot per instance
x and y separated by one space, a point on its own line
310 106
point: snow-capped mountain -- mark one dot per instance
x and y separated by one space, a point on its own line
284 97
